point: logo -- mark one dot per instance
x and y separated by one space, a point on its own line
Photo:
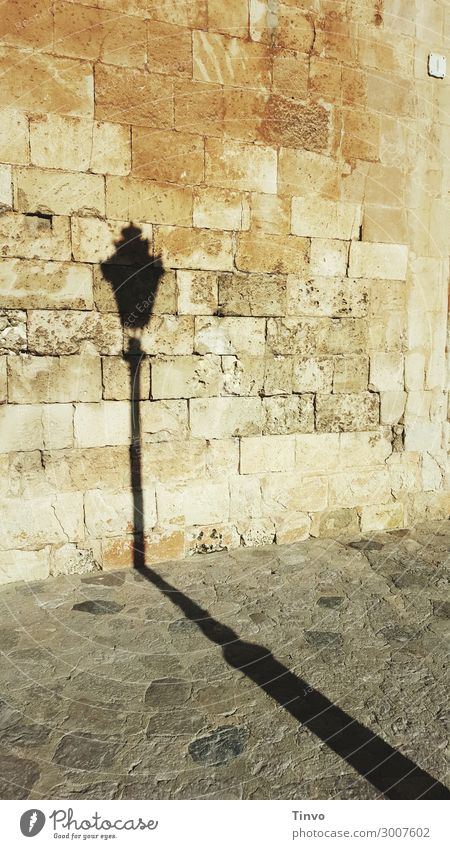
32 822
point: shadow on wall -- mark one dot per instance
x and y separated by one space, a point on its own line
134 275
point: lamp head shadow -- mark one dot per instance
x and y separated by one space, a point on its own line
133 273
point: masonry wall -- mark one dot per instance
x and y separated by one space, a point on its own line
287 165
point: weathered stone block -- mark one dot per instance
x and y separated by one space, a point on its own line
318 452
325 219
290 74
382 518
200 106
222 457
42 285
270 214
116 379
44 83
278 379
386 372
316 174
58 192
34 237
58 518
243 375
245 496
267 454
277 255
95 34
197 292
206 501
294 30
160 546
382 261
64 332
414 370
78 144
332 523
141 294
180 461
57 424
164 420
234 23
294 528
21 428
256 531
351 374
110 514
24 565
229 335
254 294
295 125
130 199
285 493
329 257
6 198
102 423
131 96
230 61
251 168
169 49
208 250
361 135
324 297
353 489
71 559
221 209
187 377
13 331
3 381
169 334
364 449
392 407
288 414
54 379
218 418
314 336
14 137
312 375
423 435
347 412
185 164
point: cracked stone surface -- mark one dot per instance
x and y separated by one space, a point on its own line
249 674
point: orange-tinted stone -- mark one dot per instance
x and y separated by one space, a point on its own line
97 34
167 156
129 96
169 49
38 82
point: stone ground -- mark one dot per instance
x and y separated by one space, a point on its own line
279 672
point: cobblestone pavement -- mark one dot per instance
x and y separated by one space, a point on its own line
279 672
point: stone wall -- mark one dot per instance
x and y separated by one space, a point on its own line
285 164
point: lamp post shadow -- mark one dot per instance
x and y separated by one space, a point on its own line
134 275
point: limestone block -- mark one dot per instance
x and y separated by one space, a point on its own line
325 219
344 336
404 472
255 294
325 79
42 83
218 418
267 454
312 375
295 528
159 546
351 374
387 295
116 380
22 29
14 137
207 250
204 539
353 489
329 257
78 144
379 261
89 468
294 30
102 423
187 377
288 414
324 297
290 74
414 370
169 334
278 378
392 407
364 449
197 292
45 285
170 503
245 496
93 239
284 493
315 174
317 452
332 523
423 435
361 134
277 255
262 21
57 424
57 518
184 460
141 296
382 518
230 61
58 192
295 125
384 224
54 379
24 565
71 559
230 165
3 383
229 335
418 404
130 199
222 456
185 164
387 332
314 336
347 412
65 331
200 106
95 34
386 372
256 532
6 199
170 49
221 209
110 514
164 420
33 237
243 375
21 427
206 501
132 96
13 331
234 23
